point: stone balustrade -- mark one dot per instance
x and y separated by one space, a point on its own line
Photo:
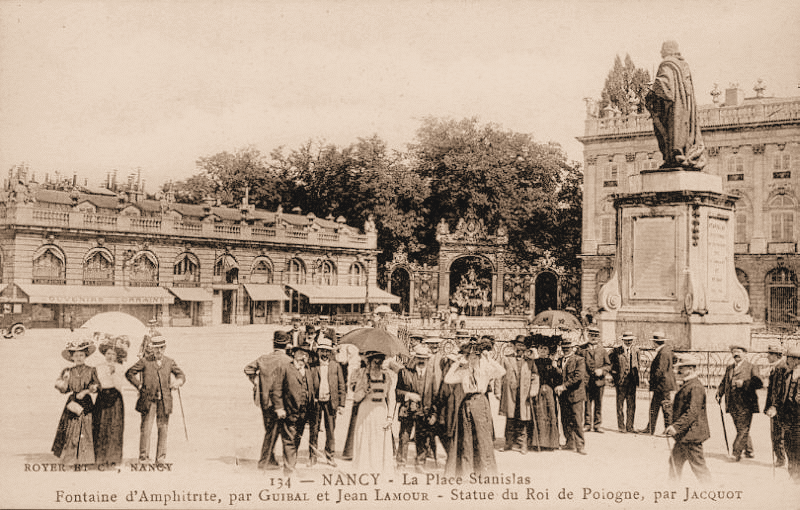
21 215
709 117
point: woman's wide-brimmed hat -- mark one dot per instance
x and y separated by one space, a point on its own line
75 345
373 354
476 346
120 344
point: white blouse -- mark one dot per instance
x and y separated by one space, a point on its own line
478 380
111 375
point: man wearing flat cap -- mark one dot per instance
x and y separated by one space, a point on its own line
662 383
625 362
787 409
738 388
261 373
690 427
777 374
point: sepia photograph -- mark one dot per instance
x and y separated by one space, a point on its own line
369 254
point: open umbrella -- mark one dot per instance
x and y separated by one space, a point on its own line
114 324
374 339
383 309
557 319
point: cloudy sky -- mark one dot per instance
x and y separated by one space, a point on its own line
91 86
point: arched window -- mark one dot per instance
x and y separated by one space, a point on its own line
326 273
186 271
296 272
226 269
782 291
781 218
262 271
143 270
98 268
356 275
49 266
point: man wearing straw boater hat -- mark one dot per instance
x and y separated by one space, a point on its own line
293 397
572 396
416 394
690 427
625 362
738 387
597 365
662 383
777 373
261 373
151 376
329 399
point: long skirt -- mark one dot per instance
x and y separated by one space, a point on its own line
472 448
108 426
544 428
372 444
74 443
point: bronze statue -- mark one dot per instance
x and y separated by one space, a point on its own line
672 105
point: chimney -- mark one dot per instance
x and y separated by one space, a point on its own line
734 96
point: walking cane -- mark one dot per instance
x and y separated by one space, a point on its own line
183 416
724 430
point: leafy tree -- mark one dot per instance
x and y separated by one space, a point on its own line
625 87
506 177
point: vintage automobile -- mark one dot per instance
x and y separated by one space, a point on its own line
13 322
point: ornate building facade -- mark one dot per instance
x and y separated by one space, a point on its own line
474 278
753 144
68 255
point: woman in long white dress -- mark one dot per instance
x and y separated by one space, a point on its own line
375 393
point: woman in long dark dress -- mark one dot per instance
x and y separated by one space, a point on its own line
109 411
545 434
74 443
471 449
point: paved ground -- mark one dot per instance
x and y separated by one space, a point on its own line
225 432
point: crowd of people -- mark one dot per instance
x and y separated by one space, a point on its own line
546 386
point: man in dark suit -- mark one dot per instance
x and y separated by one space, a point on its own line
662 383
293 397
416 394
329 399
778 369
625 362
297 335
786 408
738 387
690 427
151 376
597 365
261 373
572 396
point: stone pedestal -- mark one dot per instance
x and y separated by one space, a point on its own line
674 267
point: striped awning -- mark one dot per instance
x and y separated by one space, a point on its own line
192 293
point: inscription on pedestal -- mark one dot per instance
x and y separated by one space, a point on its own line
654 252
717 261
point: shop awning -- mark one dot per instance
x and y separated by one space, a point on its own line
264 292
191 293
96 295
344 294
3 286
